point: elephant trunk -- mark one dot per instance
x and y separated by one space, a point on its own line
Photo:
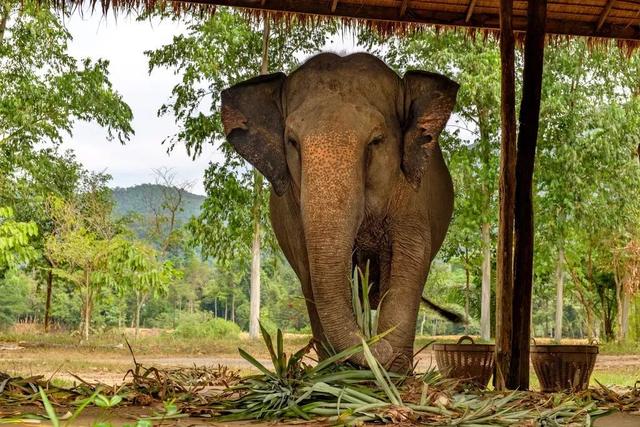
332 204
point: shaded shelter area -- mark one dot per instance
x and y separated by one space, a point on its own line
535 22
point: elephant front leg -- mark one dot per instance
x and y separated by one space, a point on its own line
409 268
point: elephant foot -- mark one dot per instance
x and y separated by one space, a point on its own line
401 363
382 351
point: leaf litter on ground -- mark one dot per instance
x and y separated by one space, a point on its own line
333 391
298 388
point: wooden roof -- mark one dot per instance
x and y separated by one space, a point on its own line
617 19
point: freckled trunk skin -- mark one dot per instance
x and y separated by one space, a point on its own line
332 202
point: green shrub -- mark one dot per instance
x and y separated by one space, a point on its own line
203 325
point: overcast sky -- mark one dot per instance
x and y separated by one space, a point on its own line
123 42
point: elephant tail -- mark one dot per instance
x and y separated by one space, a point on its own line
449 315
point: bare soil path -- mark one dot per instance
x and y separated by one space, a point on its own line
110 366
129 415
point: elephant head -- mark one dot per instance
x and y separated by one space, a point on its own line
343 134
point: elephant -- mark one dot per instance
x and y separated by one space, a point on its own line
351 151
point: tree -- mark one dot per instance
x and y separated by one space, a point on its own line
586 168
44 88
164 228
27 185
45 91
83 242
217 52
15 288
138 270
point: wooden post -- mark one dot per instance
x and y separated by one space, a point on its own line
518 377
504 270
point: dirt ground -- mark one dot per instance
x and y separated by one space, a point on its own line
129 415
109 367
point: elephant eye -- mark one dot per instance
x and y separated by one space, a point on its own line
376 140
291 141
426 140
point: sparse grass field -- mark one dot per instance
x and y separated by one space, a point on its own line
105 357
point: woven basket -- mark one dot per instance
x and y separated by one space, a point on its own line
472 363
563 367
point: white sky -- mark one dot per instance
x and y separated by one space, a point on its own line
123 41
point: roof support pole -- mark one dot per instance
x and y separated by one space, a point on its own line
504 276
518 377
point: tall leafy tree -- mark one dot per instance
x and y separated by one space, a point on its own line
138 270
586 174
44 92
44 88
83 244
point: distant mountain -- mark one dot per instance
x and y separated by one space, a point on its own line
142 199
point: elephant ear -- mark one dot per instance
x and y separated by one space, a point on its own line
254 126
429 99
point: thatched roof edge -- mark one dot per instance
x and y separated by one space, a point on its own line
383 27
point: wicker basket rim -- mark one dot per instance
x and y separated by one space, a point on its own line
464 347
564 348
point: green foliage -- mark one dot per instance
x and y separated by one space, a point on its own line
586 176
84 245
15 237
15 291
203 325
366 317
45 91
44 88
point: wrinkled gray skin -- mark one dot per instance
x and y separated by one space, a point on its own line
357 174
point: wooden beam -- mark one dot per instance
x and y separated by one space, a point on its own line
518 377
453 19
605 14
403 7
472 6
504 267
334 5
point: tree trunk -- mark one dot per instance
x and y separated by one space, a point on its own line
559 295
86 321
226 308
137 313
215 307
4 17
47 305
233 308
485 309
466 298
624 315
254 299
636 317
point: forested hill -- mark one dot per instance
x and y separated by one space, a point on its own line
143 198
